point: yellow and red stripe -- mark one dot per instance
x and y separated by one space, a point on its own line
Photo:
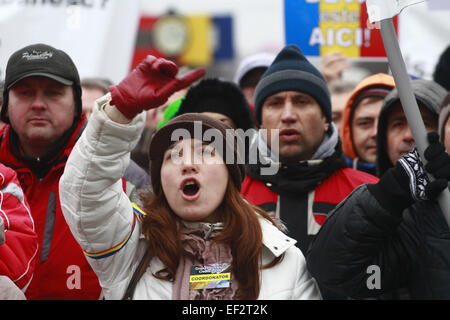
140 213
109 252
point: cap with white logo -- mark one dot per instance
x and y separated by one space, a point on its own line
39 60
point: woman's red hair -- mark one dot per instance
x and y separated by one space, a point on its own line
241 231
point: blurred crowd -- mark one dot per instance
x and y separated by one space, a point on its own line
92 207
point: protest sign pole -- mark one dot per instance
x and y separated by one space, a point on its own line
409 103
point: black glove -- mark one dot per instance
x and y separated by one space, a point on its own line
438 165
417 177
392 191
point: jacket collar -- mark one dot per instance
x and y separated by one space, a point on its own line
12 159
325 149
273 239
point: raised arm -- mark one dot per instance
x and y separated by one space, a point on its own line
94 205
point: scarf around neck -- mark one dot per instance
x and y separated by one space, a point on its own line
200 250
303 176
42 165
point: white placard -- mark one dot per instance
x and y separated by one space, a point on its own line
383 9
439 4
99 35
423 36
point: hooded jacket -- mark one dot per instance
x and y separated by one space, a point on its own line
377 80
407 250
18 239
407 253
109 228
428 94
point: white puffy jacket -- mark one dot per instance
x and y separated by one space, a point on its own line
104 223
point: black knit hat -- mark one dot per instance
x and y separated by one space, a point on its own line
441 73
41 60
191 121
214 95
291 71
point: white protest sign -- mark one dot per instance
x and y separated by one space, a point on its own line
423 36
383 9
439 4
99 35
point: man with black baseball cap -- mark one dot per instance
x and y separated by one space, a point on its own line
41 60
42 109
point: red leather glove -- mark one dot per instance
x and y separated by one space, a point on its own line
150 85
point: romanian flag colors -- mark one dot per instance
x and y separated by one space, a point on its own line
319 27
198 40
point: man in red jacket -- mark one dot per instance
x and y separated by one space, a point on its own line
298 138
18 239
42 107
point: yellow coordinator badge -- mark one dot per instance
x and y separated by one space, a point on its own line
210 276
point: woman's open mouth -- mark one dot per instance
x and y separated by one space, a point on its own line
190 189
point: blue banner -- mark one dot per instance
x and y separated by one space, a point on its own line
300 18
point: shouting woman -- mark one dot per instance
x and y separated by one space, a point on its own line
193 236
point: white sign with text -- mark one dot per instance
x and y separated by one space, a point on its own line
99 35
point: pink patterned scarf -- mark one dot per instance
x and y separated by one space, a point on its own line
201 252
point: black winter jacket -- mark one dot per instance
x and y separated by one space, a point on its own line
359 237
